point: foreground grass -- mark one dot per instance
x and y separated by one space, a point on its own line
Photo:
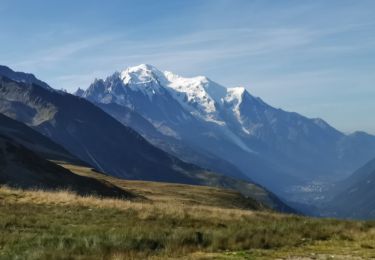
61 225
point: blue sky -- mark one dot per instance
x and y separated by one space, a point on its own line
313 57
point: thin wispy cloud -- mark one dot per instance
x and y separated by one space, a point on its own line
203 47
56 54
191 50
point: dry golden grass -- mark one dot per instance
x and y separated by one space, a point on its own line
144 208
174 194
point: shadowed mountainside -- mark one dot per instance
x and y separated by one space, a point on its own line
22 168
354 197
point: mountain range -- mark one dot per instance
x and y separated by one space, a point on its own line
94 137
204 123
145 124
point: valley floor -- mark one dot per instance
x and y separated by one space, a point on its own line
168 221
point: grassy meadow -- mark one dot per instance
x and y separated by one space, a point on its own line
168 221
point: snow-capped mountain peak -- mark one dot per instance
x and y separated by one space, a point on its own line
199 95
140 74
199 86
145 78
